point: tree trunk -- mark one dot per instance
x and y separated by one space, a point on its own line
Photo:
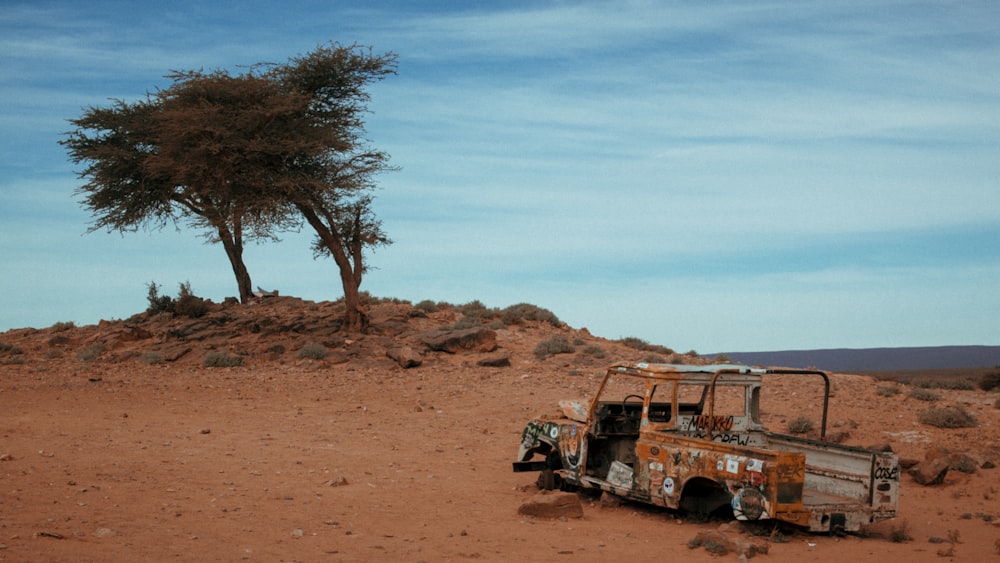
355 316
234 250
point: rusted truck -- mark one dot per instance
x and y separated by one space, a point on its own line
691 438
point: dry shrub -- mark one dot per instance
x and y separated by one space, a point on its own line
152 357
948 417
801 425
900 533
990 381
643 346
887 391
553 346
312 351
218 359
91 352
521 312
923 394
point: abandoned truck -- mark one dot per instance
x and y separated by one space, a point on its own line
691 438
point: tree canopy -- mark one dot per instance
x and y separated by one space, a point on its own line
245 157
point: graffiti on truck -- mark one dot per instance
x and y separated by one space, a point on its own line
709 423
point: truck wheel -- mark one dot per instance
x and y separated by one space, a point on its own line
548 480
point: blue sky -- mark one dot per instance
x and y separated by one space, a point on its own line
724 176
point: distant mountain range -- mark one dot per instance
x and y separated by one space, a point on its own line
875 359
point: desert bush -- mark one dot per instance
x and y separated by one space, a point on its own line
521 312
312 351
801 425
923 394
476 309
944 383
594 352
643 346
427 306
464 323
10 349
990 381
158 303
900 533
63 326
553 346
654 359
948 417
151 357
188 304
220 359
887 391
91 352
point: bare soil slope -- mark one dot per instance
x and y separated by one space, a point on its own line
118 444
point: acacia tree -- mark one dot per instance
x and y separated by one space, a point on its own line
245 156
201 151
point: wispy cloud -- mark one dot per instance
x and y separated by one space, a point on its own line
820 169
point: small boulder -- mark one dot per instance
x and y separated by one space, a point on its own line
553 505
500 361
405 356
479 339
930 471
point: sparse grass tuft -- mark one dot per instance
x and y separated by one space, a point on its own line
553 346
219 359
948 417
801 425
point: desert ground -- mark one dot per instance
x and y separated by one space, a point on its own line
119 443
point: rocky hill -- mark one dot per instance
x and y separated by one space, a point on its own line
278 330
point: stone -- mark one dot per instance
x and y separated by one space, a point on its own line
452 341
501 361
404 356
552 505
930 471
722 542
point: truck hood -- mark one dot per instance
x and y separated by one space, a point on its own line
574 410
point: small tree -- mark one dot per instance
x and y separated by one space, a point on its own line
243 157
